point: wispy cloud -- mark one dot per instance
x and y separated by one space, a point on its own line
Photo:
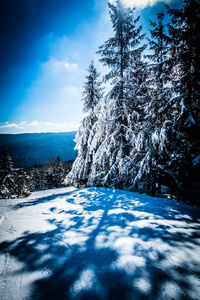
64 124
56 65
12 125
34 123
55 94
141 3
37 126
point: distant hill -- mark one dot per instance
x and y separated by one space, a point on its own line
26 149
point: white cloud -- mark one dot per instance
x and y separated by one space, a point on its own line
55 94
13 125
38 126
34 123
62 125
140 3
56 65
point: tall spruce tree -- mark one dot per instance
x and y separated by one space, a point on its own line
58 172
13 183
185 57
153 151
185 105
92 94
8 185
122 53
159 60
118 52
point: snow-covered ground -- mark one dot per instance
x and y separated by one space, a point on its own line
98 243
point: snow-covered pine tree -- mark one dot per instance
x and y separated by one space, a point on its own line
185 105
13 182
22 182
7 176
58 172
185 56
92 94
112 163
153 151
160 91
35 177
47 180
6 165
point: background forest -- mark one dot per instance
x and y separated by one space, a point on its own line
20 182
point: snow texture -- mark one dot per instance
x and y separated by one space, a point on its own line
98 243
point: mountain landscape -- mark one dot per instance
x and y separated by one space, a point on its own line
119 217
30 148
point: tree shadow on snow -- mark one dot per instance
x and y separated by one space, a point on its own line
39 200
112 245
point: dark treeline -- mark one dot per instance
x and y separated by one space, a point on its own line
22 181
144 134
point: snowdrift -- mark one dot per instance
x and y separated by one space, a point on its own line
98 243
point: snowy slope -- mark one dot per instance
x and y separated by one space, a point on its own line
98 243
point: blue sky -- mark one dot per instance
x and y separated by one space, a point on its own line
46 46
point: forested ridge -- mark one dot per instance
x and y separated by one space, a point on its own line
26 149
143 134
